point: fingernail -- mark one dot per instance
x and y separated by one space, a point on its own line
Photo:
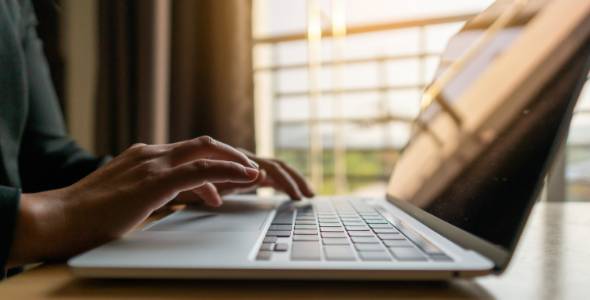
252 173
254 164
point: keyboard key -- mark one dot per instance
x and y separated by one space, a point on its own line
305 231
338 252
397 243
305 218
306 227
360 233
348 214
376 221
331 229
328 220
374 256
280 227
369 247
267 247
353 223
364 240
327 215
357 228
335 241
283 218
380 226
302 237
390 236
352 219
370 215
329 224
333 234
269 239
385 230
305 223
407 254
263 255
305 250
279 221
282 247
281 233
282 221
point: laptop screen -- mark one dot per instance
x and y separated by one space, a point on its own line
484 182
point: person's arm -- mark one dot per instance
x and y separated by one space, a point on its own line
49 158
59 223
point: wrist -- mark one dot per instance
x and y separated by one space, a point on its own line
25 247
40 232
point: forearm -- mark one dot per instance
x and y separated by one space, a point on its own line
52 225
58 224
29 243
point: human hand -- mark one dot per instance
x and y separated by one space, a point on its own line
120 195
273 173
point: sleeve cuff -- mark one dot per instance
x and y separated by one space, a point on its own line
9 201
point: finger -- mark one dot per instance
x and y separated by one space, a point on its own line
302 184
238 190
225 188
282 179
208 193
187 197
196 173
209 148
136 154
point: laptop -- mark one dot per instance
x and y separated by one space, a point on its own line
458 198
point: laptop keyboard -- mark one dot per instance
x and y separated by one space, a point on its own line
343 230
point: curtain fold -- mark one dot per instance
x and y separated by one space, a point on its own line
211 82
123 102
211 85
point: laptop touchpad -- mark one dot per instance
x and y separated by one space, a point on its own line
237 214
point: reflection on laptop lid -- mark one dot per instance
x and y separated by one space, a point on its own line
498 109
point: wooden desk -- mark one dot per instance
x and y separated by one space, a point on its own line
552 262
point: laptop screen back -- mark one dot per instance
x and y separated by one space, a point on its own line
492 192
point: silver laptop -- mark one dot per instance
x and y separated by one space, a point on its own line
468 228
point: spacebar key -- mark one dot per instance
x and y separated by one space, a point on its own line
339 252
305 250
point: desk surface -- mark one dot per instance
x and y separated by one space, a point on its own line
552 262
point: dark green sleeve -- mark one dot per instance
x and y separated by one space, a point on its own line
9 198
49 158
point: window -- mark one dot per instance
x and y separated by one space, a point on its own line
577 154
338 81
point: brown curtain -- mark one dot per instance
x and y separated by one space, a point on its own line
210 72
123 102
